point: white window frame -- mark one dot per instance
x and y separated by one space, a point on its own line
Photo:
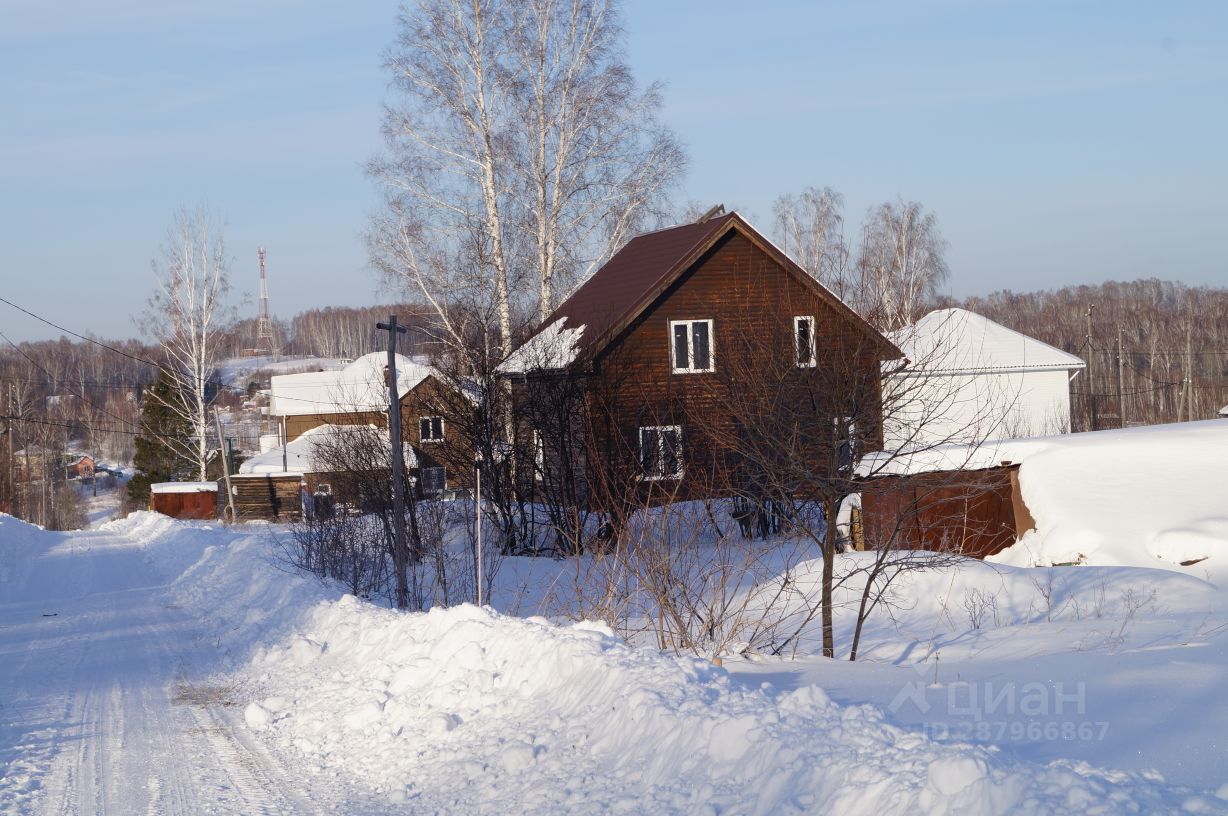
814 349
661 475
443 431
689 368
443 485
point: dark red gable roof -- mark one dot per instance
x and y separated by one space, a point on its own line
639 272
638 268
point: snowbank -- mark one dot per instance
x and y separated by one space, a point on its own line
466 710
533 717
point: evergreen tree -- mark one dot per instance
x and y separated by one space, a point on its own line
164 439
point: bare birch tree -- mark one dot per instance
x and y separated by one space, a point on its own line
187 314
810 229
520 155
901 264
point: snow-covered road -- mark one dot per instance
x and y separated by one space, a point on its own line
101 708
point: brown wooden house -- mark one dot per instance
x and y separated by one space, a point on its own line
437 420
434 417
666 371
79 466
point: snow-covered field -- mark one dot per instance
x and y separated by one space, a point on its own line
155 666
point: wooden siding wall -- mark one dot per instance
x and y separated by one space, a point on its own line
266 497
976 513
752 302
296 426
455 451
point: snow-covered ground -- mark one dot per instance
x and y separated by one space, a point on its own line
162 666
158 666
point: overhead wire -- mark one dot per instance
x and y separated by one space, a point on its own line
231 388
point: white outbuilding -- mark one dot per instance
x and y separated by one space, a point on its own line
966 379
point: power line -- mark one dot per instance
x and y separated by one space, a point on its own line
82 397
231 388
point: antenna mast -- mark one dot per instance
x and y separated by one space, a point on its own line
264 326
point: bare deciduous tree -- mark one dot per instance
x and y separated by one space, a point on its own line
188 315
900 264
521 155
810 229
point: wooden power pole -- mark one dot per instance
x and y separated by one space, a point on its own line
400 546
1091 377
1121 379
221 448
1189 373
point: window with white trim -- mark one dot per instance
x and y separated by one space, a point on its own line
434 480
804 351
430 429
690 345
661 452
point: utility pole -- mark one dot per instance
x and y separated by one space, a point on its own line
1091 379
400 547
12 461
1121 379
477 526
1189 373
230 495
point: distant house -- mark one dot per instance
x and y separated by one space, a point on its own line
649 367
31 463
354 395
434 418
967 378
79 466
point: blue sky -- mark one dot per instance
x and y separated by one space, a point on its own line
1058 142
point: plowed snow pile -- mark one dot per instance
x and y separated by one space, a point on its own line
465 710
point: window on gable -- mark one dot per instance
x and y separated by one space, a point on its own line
434 480
691 345
803 341
430 429
661 452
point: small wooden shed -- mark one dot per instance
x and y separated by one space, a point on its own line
184 500
266 496
972 512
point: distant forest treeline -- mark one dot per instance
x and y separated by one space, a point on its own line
78 390
338 331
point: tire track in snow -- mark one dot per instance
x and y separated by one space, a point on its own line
110 734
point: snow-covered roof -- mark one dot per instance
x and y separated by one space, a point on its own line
1145 496
957 341
1224 411
183 487
301 453
359 387
551 349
